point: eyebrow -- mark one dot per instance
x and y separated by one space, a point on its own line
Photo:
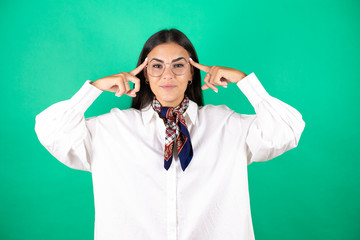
171 61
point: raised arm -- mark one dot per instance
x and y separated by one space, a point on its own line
276 127
62 128
65 133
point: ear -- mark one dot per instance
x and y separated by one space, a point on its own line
145 73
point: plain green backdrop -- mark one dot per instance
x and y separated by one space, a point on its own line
305 53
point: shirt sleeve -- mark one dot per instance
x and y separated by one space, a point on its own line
63 130
276 127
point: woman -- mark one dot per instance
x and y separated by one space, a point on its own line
169 167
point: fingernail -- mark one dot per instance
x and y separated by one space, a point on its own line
145 59
216 90
191 59
225 86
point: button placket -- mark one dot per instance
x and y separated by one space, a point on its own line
172 201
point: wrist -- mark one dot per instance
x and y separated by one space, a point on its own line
95 85
242 75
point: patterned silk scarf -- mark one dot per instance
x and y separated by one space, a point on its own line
176 132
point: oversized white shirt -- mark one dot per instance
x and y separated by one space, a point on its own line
136 198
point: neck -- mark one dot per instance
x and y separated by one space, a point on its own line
171 104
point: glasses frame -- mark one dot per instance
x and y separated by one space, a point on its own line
171 67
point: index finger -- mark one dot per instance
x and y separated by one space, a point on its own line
139 68
200 66
136 82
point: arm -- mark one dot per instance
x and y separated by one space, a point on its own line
276 127
63 130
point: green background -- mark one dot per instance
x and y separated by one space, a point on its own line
305 53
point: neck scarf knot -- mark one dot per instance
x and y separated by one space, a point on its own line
176 133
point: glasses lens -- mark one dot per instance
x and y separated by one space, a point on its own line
179 67
155 68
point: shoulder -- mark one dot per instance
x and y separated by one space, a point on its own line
120 115
215 109
222 113
215 113
128 112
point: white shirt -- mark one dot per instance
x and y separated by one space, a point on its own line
136 198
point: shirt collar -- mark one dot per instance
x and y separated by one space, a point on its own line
148 113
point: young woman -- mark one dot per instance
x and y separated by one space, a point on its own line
170 167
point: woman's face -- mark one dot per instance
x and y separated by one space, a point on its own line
169 88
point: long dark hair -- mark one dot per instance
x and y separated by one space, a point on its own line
193 91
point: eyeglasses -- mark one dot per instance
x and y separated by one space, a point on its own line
155 68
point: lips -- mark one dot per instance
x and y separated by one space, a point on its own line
168 87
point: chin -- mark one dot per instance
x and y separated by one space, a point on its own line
168 100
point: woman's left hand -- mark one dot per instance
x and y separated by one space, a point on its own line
220 76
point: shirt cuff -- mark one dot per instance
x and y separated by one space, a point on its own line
85 96
253 89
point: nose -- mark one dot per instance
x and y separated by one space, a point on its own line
168 73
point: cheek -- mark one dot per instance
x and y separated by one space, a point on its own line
153 85
185 84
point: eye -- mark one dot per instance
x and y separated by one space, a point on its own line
178 65
157 66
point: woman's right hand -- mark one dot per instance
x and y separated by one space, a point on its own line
119 83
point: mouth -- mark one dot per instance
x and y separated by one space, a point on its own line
168 87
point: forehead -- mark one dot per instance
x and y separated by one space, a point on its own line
168 51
